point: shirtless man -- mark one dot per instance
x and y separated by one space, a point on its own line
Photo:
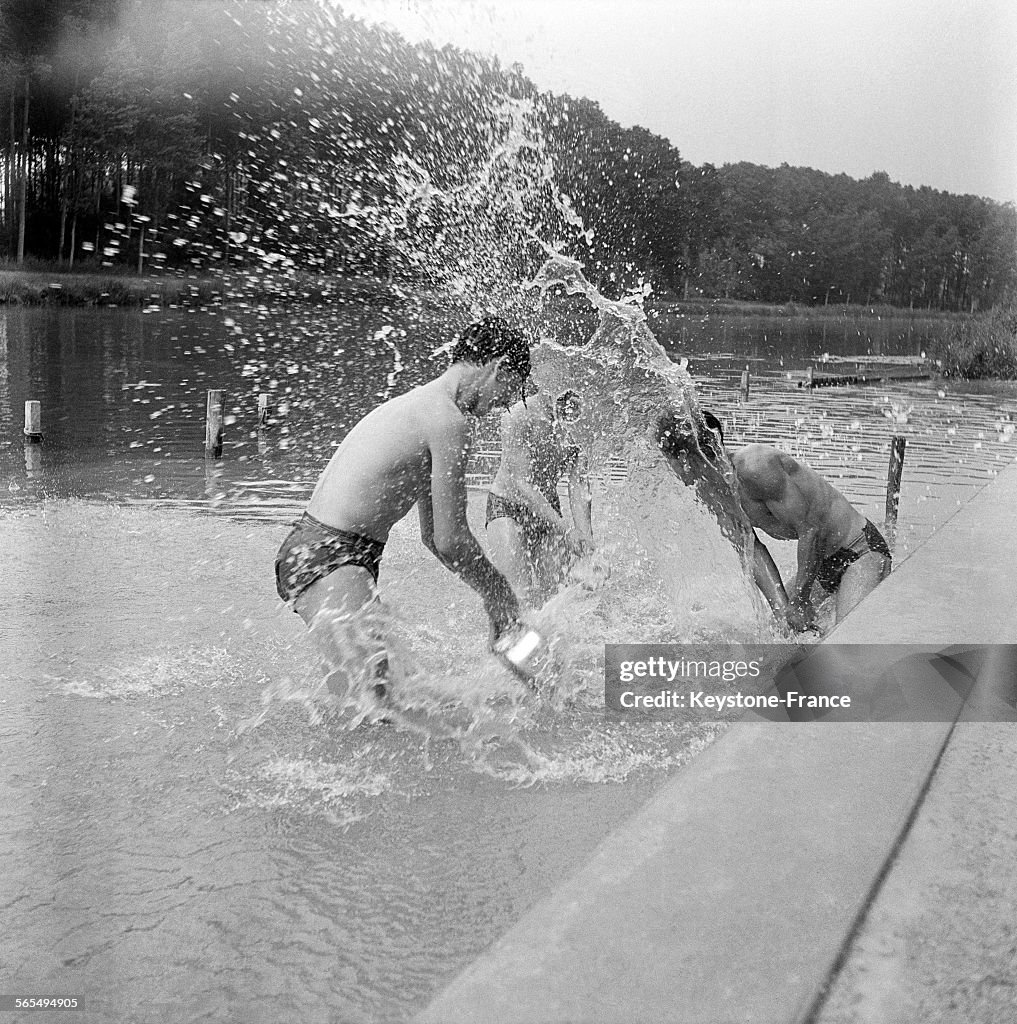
838 548
530 540
412 449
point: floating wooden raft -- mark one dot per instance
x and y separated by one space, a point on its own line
884 360
911 368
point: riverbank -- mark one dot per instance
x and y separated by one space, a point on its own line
50 286
979 347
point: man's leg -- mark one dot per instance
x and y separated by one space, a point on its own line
331 607
859 580
506 546
552 560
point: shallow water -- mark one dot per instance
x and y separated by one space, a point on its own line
159 858
166 857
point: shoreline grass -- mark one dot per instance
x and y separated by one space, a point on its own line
791 310
984 348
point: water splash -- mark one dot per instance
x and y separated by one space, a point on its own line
634 385
465 220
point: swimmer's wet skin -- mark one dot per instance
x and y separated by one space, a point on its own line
411 450
531 541
838 548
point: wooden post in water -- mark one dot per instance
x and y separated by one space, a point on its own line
215 411
263 410
809 375
745 384
893 475
33 422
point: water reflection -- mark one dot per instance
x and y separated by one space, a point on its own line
123 396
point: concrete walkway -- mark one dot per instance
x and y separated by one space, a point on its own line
735 892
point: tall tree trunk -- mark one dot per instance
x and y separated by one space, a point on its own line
74 232
24 179
12 173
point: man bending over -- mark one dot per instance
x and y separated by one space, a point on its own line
838 548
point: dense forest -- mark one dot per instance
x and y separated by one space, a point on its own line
194 135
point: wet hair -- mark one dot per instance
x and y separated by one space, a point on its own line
568 406
713 423
492 338
675 436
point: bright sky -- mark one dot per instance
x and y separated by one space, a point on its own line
925 90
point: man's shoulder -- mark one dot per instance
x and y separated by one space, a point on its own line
432 399
519 421
523 413
425 410
756 458
441 421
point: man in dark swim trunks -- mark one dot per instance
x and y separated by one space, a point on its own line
530 539
838 548
411 450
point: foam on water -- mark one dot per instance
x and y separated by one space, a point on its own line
342 793
166 674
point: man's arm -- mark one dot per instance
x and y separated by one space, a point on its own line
800 610
453 541
581 500
767 577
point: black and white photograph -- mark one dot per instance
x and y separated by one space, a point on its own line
507 511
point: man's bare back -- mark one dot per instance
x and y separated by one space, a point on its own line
837 546
535 453
383 466
789 501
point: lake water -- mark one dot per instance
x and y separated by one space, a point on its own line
184 839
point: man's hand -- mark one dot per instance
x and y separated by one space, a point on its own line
801 616
577 545
591 571
498 629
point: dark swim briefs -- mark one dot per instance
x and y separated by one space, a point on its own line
833 567
313 550
534 527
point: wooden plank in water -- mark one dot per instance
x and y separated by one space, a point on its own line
839 380
887 360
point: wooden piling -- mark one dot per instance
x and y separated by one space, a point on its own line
809 374
745 384
262 410
215 412
893 475
33 422
33 460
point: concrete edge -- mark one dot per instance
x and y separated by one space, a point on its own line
748 873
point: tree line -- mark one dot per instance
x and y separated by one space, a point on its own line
214 133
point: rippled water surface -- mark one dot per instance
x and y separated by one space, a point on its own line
182 842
